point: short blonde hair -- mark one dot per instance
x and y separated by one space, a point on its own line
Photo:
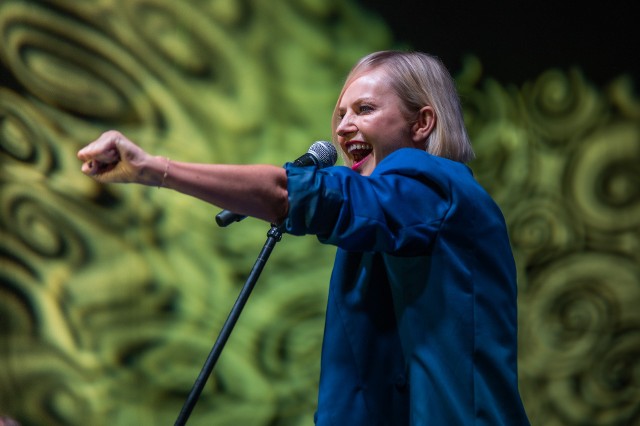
420 79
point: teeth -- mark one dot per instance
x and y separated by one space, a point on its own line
356 146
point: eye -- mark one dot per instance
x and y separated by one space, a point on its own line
366 108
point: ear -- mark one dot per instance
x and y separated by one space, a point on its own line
423 127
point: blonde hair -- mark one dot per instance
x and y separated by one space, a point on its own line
420 79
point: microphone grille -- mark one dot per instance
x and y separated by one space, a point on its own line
324 152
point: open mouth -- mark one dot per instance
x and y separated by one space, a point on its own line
358 151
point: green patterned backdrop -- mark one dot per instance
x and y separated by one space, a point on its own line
112 296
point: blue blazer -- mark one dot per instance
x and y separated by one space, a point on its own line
421 319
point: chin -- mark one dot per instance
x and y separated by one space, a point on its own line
367 169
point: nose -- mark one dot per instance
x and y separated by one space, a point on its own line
346 127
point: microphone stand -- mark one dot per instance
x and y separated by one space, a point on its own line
273 236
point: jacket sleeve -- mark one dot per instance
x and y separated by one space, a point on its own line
398 209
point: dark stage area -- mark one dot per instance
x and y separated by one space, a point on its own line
517 41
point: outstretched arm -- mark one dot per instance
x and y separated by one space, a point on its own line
253 190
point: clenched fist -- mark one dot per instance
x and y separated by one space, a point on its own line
113 158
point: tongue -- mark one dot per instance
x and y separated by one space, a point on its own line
359 154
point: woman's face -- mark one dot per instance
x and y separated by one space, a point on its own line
371 124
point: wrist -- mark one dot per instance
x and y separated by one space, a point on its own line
154 171
165 174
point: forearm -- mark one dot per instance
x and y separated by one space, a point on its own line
253 190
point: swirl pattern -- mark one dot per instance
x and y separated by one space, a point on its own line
541 230
111 296
22 141
577 314
66 64
35 222
562 105
604 178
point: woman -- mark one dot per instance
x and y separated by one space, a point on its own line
421 318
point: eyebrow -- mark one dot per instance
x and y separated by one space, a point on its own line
367 99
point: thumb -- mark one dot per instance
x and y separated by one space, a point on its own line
101 162
99 153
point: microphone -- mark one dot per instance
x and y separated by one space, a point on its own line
321 154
